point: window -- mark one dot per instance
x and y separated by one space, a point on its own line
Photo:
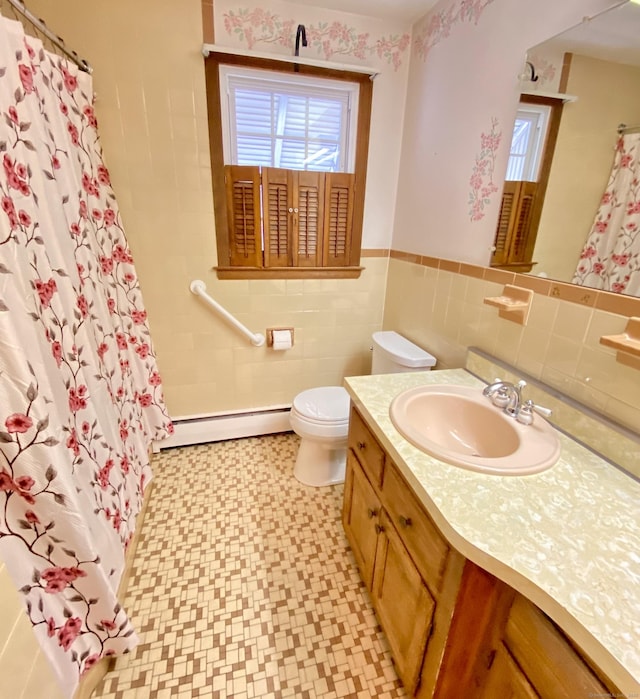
527 142
532 145
288 155
299 123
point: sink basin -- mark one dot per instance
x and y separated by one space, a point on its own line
459 425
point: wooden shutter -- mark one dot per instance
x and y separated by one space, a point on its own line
520 235
338 217
277 200
513 229
501 242
293 210
309 201
242 183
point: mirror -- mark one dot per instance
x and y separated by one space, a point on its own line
603 73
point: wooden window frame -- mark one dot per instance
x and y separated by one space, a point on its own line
226 269
522 226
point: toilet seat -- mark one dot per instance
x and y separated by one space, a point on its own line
321 413
323 404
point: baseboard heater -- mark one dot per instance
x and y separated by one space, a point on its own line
219 427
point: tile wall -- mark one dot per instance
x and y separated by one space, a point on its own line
25 672
560 345
207 366
151 108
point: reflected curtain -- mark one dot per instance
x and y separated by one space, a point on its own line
610 259
80 393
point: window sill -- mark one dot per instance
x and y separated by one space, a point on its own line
288 272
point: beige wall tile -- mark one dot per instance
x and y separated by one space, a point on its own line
24 670
560 343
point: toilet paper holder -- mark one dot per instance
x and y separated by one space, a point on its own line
270 335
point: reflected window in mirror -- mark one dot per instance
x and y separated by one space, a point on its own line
532 145
527 142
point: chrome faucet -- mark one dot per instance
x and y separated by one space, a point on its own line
508 396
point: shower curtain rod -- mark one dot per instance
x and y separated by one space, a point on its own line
40 26
623 128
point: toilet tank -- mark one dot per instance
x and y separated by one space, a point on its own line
393 353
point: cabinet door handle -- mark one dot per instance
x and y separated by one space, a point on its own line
405 521
379 528
361 445
372 512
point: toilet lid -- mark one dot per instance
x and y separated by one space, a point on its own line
328 403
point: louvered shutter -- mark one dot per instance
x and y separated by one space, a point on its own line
309 200
513 223
520 235
338 216
507 208
277 199
243 215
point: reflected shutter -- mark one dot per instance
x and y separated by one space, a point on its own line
338 217
277 193
243 215
514 221
522 221
501 242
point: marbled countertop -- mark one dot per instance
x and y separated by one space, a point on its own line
567 538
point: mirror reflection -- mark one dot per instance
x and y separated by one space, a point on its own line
576 216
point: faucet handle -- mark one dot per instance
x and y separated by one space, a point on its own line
545 412
501 397
525 414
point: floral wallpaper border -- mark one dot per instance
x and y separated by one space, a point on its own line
327 39
544 68
439 24
481 181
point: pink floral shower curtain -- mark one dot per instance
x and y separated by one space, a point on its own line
610 259
80 393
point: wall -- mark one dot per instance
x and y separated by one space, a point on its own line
560 345
461 102
462 99
153 120
25 672
583 158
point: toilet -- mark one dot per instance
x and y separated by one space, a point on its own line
320 416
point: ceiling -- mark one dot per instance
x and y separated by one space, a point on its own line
610 36
402 10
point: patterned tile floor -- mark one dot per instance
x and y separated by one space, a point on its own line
244 585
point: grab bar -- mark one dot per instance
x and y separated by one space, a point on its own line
199 288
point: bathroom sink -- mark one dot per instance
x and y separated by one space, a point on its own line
457 424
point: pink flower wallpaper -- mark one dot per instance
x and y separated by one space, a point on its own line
545 70
438 25
481 181
330 40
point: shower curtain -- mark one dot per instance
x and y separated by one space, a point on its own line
610 259
80 393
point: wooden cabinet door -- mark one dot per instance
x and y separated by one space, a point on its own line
361 518
403 604
505 679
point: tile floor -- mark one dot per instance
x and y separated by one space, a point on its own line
244 585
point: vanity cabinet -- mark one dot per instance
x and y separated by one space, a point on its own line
402 559
502 645
454 629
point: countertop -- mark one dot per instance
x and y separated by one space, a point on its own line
567 538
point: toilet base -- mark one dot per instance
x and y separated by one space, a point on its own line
320 463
